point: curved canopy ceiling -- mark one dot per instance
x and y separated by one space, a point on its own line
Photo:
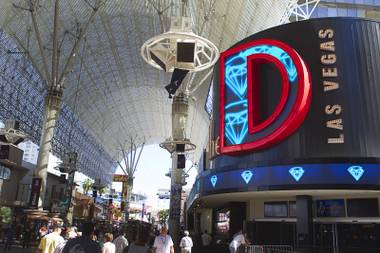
113 91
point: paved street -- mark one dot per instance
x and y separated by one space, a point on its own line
18 249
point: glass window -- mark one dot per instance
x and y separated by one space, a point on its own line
352 13
332 12
342 12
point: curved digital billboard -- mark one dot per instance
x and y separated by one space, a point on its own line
305 92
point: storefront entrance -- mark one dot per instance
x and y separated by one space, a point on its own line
328 237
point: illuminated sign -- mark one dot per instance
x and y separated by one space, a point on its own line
241 129
283 176
296 173
356 172
246 175
120 178
213 180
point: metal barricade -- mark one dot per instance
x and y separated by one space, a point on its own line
266 249
251 249
277 249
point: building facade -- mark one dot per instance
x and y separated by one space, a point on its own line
30 151
295 118
348 8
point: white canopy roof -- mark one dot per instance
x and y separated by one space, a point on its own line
113 91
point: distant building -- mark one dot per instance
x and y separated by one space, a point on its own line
30 151
348 8
163 199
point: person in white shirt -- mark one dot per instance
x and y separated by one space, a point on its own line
206 239
108 246
121 242
186 243
70 234
163 242
238 240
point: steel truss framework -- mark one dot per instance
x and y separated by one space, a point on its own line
120 95
22 98
299 10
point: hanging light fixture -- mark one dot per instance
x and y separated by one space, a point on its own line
180 48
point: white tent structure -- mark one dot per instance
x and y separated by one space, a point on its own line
114 93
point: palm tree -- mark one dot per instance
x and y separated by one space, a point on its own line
87 185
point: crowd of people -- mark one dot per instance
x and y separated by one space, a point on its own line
105 239
91 239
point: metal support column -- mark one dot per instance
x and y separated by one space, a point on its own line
128 198
180 109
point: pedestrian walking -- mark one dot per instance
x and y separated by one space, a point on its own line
186 243
108 246
50 241
206 240
141 244
121 241
163 242
237 240
83 243
9 238
26 236
70 234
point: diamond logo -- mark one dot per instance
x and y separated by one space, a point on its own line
296 172
236 126
246 175
356 172
213 180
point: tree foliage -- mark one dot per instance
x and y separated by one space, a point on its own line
102 190
5 214
163 215
87 185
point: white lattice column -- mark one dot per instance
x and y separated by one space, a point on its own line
53 102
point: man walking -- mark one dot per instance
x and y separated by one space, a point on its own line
163 242
186 243
83 243
238 240
206 240
121 241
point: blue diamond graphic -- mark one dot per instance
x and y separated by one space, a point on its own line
356 172
296 172
236 126
246 175
213 180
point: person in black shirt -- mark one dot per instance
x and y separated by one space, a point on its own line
84 243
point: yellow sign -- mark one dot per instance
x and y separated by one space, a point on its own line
120 178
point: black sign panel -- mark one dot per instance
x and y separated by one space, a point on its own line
343 58
35 193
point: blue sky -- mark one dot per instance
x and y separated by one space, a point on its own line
150 174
